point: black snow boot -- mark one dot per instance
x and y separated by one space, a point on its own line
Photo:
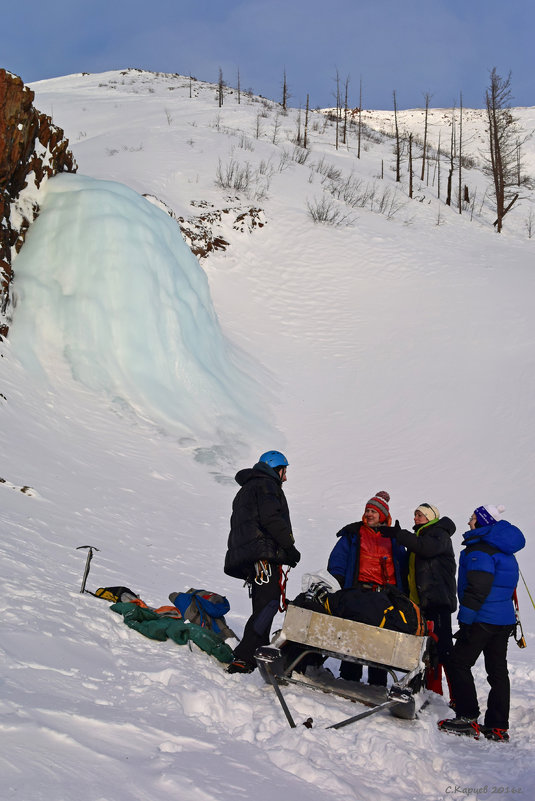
240 666
500 735
469 727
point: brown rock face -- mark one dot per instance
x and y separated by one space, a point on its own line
32 149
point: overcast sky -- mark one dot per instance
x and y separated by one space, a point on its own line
443 47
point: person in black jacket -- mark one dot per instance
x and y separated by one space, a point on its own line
259 543
432 582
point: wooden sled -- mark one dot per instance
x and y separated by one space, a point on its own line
306 632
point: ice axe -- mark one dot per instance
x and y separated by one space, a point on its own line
518 632
90 548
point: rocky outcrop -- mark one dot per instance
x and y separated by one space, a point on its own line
203 232
32 149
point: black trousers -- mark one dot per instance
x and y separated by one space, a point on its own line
441 618
352 671
265 599
492 642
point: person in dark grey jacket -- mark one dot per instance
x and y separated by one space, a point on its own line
259 543
432 579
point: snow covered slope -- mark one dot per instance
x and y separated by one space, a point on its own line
395 352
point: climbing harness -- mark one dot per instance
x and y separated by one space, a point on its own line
263 576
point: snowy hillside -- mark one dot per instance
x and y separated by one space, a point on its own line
393 350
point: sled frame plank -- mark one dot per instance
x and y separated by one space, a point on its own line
353 641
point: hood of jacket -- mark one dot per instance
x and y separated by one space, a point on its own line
259 470
503 535
350 529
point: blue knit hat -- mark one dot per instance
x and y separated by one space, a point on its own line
489 514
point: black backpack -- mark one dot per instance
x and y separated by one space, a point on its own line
387 608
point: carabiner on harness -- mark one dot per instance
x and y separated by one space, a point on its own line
262 572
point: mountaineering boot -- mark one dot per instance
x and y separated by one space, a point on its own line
500 735
467 726
239 666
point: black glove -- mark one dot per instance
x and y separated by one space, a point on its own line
292 556
318 592
390 531
464 633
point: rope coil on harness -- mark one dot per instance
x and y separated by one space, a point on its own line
283 580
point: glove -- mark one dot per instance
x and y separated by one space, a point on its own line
292 556
317 592
464 633
390 531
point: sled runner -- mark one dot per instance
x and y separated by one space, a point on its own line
306 632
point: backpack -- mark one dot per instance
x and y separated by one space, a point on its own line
114 594
205 608
388 608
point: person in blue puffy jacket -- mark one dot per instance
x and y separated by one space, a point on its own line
488 575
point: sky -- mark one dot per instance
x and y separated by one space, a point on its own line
440 47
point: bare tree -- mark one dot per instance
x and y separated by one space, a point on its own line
503 144
238 87
285 92
529 224
338 106
410 165
452 158
298 133
398 146
305 136
518 164
427 97
276 129
345 110
258 127
220 85
460 151
360 118
438 167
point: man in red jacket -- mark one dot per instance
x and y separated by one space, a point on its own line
363 558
